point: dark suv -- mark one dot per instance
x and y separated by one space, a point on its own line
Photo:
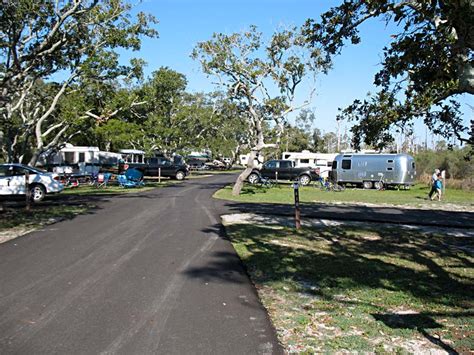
283 170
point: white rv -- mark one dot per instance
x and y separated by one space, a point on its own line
307 159
80 160
244 158
132 155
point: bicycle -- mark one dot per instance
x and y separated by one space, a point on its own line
265 182
328 185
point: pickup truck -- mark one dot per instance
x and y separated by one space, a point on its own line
158 166
283 170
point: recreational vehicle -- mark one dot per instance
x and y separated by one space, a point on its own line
132 155
80 160
374 170
244 159
307 159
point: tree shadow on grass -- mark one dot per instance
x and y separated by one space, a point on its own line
417 270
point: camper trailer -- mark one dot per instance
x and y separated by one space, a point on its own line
307 159
374 170
133 155
244 159
80 160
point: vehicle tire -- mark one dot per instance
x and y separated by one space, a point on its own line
379 185
180 175
304 180
367 185
253 178
37 193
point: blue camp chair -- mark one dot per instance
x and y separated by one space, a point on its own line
131 178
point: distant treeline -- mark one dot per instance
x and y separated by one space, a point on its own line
455 162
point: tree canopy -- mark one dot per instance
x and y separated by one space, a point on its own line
260 77
58 44
428 63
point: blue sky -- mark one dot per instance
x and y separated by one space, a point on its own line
184 23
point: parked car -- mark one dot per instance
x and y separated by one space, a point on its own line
158 166
196 164
216 165
283 170
12 181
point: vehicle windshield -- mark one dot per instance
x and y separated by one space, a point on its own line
36 170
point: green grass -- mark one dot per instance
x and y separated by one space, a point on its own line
361 289
283 193
39 215
55 208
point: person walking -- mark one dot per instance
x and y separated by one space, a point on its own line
434 178
439 187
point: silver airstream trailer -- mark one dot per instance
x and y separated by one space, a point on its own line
374 170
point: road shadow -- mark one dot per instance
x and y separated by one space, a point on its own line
347 212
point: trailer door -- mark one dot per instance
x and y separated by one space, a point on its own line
346 170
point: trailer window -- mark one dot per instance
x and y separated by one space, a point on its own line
82 157
330 163
389 161
413 165
346 164
389 169
304 161
287 156
334 164
69 157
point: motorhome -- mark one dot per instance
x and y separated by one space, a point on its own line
132 155
258 162
307 159
80 160
374 170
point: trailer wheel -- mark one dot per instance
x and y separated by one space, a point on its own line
367 185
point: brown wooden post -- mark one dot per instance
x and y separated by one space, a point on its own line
297 205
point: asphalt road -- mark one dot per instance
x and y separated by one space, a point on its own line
149 273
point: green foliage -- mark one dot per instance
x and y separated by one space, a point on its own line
426 65
73 43
453 161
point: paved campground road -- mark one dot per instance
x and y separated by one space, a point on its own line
147 273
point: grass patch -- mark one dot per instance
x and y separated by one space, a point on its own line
64 205
362 288
39 215
283 193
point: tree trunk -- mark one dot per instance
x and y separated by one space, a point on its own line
243 176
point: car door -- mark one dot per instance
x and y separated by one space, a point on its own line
17 180
5 178
285 172
167 168
269 169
